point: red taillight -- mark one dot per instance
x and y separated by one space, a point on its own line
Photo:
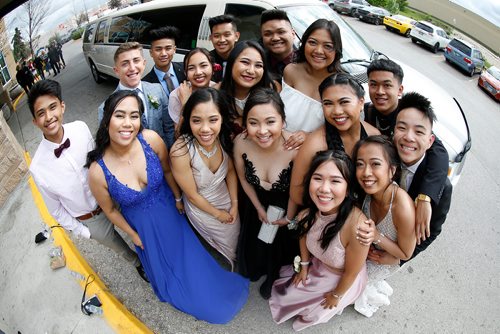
467 60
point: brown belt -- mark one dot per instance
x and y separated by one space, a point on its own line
90 214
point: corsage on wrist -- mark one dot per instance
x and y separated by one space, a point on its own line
298 264
292 223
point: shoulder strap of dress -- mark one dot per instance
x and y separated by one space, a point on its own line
105 169
141 138
393 192
369 114
363 134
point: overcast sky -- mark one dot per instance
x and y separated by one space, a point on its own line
58 11
488 9
62 10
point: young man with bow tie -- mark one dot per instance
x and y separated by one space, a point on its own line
57 169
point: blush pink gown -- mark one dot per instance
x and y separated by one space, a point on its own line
304 302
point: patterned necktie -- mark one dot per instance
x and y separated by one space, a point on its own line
144 121
169 82
63 146
404 177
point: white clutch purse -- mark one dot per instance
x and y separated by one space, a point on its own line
268 231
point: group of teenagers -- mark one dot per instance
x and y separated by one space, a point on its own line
187 160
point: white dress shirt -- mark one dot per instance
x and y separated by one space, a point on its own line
63 181
411 171
141 95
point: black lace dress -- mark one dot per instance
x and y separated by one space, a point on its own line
255 257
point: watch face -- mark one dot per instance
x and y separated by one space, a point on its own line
423 197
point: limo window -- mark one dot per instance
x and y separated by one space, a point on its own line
99 38
135 26
248 20
89 33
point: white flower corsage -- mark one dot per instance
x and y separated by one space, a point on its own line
154 101
296 264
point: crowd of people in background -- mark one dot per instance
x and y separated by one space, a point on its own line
190 159
32 70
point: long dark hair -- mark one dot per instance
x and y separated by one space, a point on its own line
228 85
333 140
204 95
102 137
390 153
334 31
344 164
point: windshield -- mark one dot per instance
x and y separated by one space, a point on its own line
495 72
353 45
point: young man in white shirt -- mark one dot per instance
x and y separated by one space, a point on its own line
57 169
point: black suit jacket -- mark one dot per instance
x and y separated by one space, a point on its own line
437 167
217 75
178 70
440 204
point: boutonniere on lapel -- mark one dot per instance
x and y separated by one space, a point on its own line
217 67
153 100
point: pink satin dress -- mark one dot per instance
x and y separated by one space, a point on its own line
212 186
304 302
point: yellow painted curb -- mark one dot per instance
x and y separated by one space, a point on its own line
16 101
117 316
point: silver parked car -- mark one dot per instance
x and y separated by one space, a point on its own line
348 6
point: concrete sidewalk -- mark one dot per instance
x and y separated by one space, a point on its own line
33 297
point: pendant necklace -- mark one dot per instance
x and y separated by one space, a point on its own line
207 153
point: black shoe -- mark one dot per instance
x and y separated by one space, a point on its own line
142 273
265 289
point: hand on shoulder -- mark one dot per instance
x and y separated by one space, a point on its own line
179 148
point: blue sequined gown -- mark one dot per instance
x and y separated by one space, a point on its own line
179 268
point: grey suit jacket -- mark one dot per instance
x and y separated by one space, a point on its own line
158 118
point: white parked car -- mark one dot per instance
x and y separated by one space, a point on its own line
102 37
429 35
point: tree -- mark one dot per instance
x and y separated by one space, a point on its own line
114 4
36 11
392 6
378 3
402 4
20 48
81 18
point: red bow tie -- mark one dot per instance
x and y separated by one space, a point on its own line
63 146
